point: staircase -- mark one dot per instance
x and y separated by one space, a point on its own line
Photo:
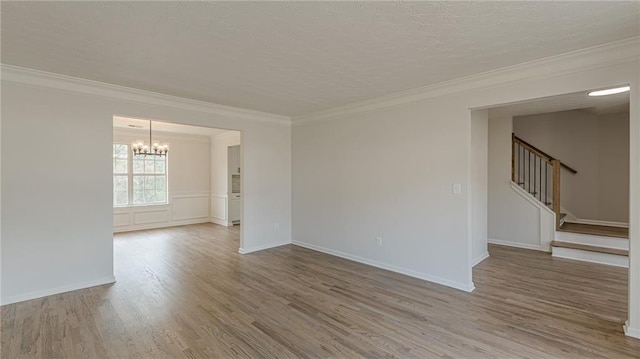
539 174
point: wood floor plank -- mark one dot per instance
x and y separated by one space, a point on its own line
185 292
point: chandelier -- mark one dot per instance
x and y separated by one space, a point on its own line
153 149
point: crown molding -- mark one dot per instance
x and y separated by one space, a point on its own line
11 73
579 60
589 58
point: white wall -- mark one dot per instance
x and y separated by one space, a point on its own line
597 147
57 211
385 167
189 162
387 173
479 184
219 176
514 217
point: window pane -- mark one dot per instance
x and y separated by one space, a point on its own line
120 190
161 196
138 165
149 196
161 183
149 182
148 165
138 183
122 151
138 197
120 166
120 182
160 166
120 198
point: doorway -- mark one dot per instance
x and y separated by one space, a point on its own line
188 181
583 215
558 173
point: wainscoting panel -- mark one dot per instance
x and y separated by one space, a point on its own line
121 219
154 216
219 208
189 207
182 209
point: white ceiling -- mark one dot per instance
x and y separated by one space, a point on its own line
601 105
293 58
136 124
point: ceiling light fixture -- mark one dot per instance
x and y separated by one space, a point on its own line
154 149
612 91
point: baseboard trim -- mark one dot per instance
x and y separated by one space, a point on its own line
601 223
220 222
430 278
631 332
516 245
57 290
262 247
479 259
176 223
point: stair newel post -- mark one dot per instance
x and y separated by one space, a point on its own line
556 191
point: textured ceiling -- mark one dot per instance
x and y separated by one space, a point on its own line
601 105
293 58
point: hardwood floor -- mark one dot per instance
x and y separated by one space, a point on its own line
185 292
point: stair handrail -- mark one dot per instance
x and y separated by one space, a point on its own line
548 158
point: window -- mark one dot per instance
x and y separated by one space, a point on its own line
149 180
120 175
138 180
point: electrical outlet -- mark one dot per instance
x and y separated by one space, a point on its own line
457 188
379 241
